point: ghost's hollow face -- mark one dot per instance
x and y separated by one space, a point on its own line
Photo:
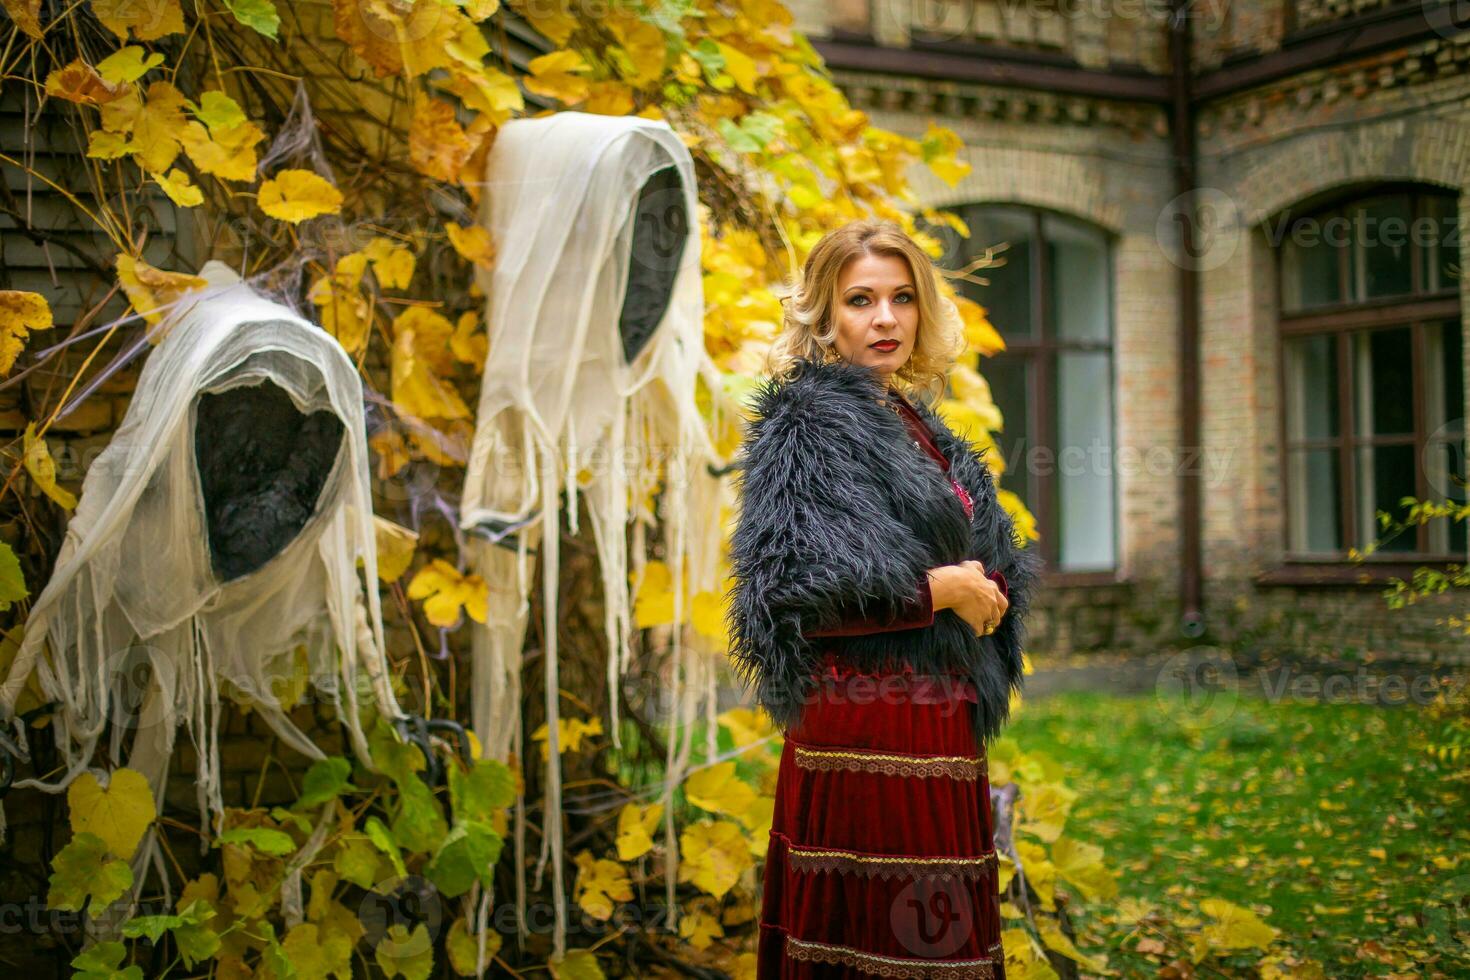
262 466
660 229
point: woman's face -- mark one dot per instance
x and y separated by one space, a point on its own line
876 305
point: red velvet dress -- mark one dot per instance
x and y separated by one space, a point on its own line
882 859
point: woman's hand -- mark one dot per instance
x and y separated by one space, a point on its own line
966 589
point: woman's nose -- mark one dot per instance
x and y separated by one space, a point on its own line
883 315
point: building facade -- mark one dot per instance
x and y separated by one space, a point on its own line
1232 296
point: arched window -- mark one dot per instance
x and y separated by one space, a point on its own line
1052 301
1372 369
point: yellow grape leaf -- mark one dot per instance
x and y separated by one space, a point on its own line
20 313
552 19
295 195
701 929
119 814
554 76
717 790
635 829
707 613
1044 810
27 16
472 242
1040 872
227 153
940 148
643 45
438 145
577 964
980 333
1235 927
744 967
746 726
485 90
392 452
757 820
715 852
151 290
176 185
740 67
1081 865
569 735
421 365
396 545
148 20
393 263
1052 935
127 64
42 469
654 603
478 10
1023 960
609 98
79 82
601 884
344 309
464 949
156 122
446 591
401 953
469 344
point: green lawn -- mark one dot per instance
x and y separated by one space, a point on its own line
1329 821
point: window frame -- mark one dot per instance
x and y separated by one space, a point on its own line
1036 354
1343 321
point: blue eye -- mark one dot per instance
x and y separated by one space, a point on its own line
905 297
858 300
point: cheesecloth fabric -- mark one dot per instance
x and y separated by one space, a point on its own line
563 411
135 632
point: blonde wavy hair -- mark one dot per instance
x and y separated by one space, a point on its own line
809 329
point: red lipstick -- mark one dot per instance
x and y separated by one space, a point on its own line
886 346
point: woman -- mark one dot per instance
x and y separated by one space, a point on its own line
877 611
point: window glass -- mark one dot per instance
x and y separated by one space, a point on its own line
1311 390
1381 248
1383 382
1078 256
1316 508
1084 459
1007 298
1311 263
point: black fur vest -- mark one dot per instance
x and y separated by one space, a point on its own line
840 509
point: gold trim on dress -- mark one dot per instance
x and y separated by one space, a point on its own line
812 859
890 764
905 968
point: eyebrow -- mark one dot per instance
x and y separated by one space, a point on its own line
869 289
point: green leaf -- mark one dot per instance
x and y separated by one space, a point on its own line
478 793
218 111
104 962
410 954
12 581
578 964
419 824
382 839
357 860
83 869
151 926
316 956
276 843
399 761
467 855
326 780
197 941
258 15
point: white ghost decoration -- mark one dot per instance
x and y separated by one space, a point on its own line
226 524
595 316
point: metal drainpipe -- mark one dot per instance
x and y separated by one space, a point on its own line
1186 160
